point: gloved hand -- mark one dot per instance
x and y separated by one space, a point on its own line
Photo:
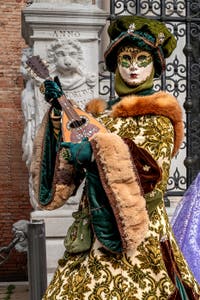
79 154
53 90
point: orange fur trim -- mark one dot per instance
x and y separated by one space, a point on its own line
160 103
96 106
122 186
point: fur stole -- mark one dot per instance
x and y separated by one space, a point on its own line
122 185
160 103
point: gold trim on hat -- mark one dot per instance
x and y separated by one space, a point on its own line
160 39
131 28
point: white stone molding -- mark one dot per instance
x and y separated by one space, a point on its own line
64 1
48 21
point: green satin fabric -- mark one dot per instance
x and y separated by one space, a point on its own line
80 153
181 289
102 217
50 146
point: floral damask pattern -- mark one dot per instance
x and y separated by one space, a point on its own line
142 275
153 133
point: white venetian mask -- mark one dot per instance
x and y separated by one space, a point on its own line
135 65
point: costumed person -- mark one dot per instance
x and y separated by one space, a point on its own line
186 223
121 245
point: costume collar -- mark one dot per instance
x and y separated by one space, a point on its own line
146 92
160 103
123 89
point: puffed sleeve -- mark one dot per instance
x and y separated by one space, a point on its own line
54 179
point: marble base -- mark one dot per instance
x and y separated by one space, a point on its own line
57 223
173 203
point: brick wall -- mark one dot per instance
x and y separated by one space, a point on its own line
14 198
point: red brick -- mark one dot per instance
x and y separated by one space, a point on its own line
14 196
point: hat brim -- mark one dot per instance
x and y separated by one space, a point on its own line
139 41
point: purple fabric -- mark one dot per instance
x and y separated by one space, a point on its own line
186 226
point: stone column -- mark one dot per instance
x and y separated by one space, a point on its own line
46 26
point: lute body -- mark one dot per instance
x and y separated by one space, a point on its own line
77 124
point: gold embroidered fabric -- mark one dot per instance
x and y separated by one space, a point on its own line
101 275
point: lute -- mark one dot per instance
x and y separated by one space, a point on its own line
76 123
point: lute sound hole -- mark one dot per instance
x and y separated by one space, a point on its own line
77 123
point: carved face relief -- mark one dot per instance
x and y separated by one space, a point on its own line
67 59
135 65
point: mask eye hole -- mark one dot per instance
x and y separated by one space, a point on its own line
125 60
143 60
142 57
126 57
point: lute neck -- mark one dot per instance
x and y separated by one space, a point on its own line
68 108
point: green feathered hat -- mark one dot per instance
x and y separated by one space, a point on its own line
145 33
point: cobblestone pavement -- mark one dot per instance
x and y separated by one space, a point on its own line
14 291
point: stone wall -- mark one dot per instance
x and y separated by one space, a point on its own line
14 196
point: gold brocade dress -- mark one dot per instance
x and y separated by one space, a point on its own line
142 275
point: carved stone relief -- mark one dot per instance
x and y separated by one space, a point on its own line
65 59
33 109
